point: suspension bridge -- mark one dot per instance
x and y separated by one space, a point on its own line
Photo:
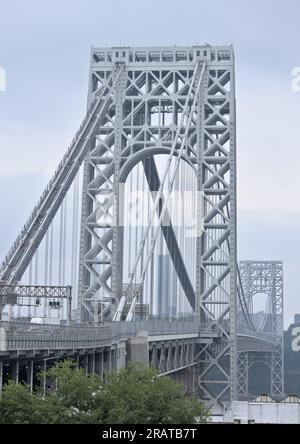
130 255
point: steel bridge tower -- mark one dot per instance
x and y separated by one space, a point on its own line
260 278
177 101
173 102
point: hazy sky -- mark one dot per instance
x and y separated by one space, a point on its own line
45 50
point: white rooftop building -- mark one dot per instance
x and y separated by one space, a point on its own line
263 410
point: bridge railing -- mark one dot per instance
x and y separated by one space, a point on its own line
26 336
154 327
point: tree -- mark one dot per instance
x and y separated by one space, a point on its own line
16 405
136 395
73 397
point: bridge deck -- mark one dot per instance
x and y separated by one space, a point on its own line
26 336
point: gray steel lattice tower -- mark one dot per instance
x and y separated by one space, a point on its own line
178 101
264 278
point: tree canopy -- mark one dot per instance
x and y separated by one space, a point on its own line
135 395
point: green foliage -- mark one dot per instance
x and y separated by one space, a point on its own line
16 405
73 400
73 387
135 395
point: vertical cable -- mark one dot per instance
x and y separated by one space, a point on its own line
129 227
61 243
61 312
146 215
177 231
64 240
137 214
74 247
36 274
150 296
142 225
44 300
184 238
30 283
61 225
50 262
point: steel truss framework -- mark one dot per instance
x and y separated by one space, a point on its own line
245 361
30 295
178 101
264 278
157 82
26 244
168 357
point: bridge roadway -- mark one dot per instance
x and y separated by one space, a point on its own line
170 346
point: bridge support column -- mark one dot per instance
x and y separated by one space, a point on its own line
1 375
43 381
102 364
90 370
98 363
154 361
118 211
93 362
15 372
30 375
110 361
105 361
121 355
162 359
242 374
138 349
86 363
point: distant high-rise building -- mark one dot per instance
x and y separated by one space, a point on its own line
166 287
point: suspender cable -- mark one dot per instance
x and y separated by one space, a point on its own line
51 258
179 154
30 283
172 152
36 275
46 269
51 254
146 295
18 258
74 248
64 242
183 233
151 288
142 218
137 210
64 239
60 252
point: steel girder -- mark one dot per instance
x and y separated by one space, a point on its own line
172 356
33 232
242 373
155 83
30 295
245 361
216 247
266 277
23 249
